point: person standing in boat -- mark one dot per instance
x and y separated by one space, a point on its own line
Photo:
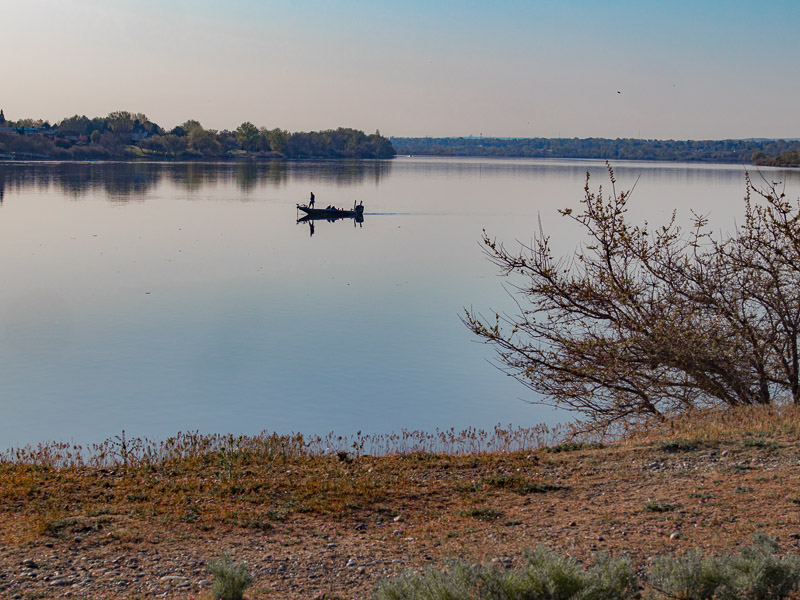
311 201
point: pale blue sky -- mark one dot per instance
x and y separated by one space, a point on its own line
505 68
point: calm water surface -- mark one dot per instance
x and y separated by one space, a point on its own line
163 297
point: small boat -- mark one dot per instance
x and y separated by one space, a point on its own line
332 213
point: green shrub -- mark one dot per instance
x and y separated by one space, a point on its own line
680 445
431 584
483 513
231 579
659 506
545 575
519 485
755 574
573 446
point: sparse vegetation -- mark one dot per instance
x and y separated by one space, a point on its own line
573 446
678 445
545 575
659 506
756 573
485 499
519 485
483 513
230 579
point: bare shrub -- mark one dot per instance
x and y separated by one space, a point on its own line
642 322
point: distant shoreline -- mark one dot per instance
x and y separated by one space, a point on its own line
780 153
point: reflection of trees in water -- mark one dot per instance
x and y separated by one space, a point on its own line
249 174
123 181
190 176
341 172
246 175
119 181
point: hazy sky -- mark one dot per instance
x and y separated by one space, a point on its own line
667 69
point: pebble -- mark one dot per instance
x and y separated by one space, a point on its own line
676 535
30 564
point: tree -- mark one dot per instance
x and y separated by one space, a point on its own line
277 139
639 322
188 127
227 140
263 140
29 123
111 142
120 121
247 136
77 123
174 143
204 141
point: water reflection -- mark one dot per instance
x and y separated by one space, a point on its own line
331 217
194 303
124 181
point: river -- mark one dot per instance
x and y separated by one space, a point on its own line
159 298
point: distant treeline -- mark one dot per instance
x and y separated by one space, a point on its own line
123 134
787 158
762 152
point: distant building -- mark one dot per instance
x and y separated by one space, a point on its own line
2 118
72 136
39 131
139 133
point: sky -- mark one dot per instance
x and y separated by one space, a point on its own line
670 69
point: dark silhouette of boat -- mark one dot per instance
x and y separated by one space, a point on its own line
331 214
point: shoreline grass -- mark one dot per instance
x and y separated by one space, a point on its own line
256 481
123 451
752 423
709 480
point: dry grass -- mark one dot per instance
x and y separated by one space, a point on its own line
724 475
776 422
255 481
243 481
